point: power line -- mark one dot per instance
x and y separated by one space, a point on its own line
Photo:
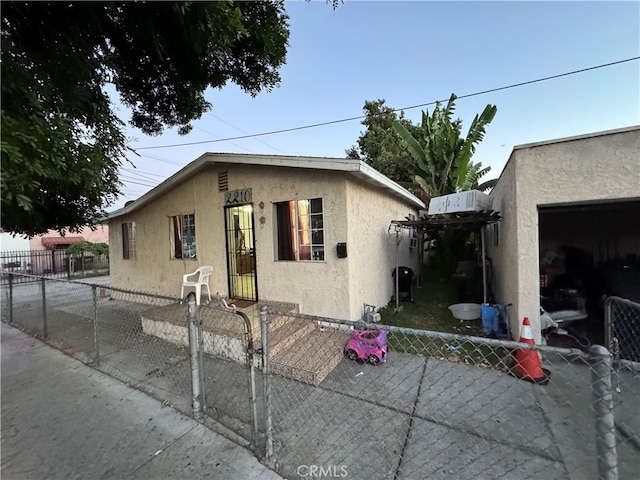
219 137
350 119
242 131
143 174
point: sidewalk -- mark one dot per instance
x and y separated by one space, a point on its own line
62 419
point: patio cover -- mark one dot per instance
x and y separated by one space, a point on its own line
51 242
471 221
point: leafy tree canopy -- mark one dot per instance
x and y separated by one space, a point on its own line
61 140
380 147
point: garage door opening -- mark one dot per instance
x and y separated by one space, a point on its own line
587 253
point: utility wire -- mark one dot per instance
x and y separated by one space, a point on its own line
350 119
142 174
247 133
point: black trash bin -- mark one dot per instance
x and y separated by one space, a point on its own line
405 280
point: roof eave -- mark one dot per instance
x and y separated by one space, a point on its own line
356 167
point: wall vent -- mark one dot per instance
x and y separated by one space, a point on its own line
223 181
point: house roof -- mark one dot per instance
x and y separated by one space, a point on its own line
52 241
356 168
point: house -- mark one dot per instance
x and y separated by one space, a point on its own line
53 240
571 219
310 231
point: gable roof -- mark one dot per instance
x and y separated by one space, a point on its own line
356 168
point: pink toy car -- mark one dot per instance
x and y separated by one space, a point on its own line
368 345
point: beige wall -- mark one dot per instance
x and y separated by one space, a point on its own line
372 246
602 167
501 241
321 288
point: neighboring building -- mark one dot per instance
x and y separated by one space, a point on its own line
310 231
46 254
570 216
53 240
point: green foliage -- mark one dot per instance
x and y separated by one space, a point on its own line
96 249
440 151
62 142
379 147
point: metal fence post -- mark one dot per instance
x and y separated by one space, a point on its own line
10 298
196 394
94 292
266 383
45 328
602 398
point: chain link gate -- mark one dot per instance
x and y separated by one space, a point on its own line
225 345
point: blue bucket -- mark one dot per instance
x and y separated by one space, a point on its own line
490 317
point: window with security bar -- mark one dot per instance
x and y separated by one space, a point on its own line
183 236
300 230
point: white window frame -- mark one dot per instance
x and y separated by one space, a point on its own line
317 251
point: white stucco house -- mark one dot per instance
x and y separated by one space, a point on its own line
570 211
310 231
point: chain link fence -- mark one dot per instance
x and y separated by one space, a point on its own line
622 338
313 400
110 329
444 406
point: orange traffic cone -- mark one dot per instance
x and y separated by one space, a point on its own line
528 365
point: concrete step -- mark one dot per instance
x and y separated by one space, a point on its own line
287 333
312 357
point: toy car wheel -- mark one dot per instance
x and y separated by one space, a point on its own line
373 359
351 354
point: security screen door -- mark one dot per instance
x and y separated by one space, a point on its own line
241 260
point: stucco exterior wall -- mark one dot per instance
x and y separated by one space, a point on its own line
320 288
372 246
354 212
600 167
501 243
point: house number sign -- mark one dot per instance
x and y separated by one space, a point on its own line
237 197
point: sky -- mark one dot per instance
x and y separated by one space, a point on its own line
414 53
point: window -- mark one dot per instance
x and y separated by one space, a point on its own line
300 230
129 240
184 236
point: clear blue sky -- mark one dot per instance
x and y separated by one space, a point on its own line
411 53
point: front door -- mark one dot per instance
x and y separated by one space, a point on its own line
241 259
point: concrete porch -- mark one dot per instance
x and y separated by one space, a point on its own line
299 349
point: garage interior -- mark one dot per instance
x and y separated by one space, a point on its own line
588 251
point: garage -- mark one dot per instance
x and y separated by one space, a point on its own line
587 252
570 229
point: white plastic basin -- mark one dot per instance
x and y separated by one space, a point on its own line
466 311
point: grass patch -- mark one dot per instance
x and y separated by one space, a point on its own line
430 311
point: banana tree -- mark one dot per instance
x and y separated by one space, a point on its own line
441 152
472 179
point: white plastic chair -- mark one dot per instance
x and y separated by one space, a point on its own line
203 274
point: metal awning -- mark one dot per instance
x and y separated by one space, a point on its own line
50 242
